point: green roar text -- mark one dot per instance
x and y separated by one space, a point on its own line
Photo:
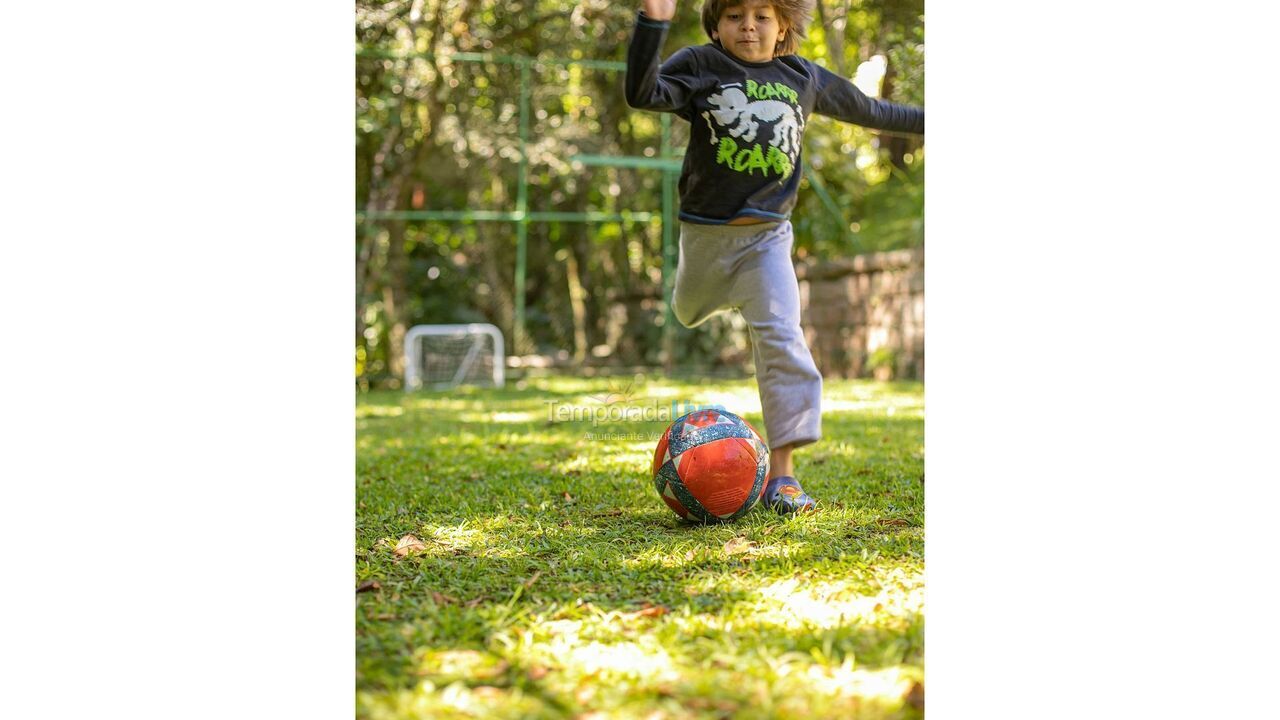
751 157
771 91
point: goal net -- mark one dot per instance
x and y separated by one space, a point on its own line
445 356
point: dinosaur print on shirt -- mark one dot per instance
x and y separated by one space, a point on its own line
744 115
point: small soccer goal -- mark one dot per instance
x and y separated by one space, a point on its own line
445 356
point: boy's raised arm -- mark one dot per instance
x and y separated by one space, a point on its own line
839 98
660 9
648 86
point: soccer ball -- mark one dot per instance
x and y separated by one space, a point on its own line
710 466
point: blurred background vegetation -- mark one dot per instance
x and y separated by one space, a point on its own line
432 134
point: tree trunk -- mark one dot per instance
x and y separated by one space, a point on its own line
577 302
580 250
898 146
834 38
498 305
394 299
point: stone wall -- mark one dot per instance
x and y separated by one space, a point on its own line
864 316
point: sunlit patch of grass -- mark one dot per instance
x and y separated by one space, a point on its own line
378 411
828 604
553 582
500 417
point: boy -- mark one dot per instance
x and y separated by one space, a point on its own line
747 97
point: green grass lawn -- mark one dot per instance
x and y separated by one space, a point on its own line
553 582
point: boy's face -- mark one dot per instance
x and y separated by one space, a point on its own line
750 30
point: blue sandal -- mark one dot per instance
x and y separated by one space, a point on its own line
784 496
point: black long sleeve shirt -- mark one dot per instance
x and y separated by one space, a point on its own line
747 120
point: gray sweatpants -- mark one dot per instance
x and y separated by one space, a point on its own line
748 268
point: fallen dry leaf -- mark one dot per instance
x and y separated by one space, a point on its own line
368 585
487 691
409 544
650 611
724 706
529 583
915 696
567 496
688 555
442 599
893 522
738 545
537 672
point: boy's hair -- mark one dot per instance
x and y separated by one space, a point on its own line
794 14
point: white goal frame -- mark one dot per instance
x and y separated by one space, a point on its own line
479 330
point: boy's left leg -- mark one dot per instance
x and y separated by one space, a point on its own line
767 294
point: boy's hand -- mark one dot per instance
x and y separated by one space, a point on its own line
660 9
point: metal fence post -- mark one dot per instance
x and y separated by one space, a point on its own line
518 345
668 249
